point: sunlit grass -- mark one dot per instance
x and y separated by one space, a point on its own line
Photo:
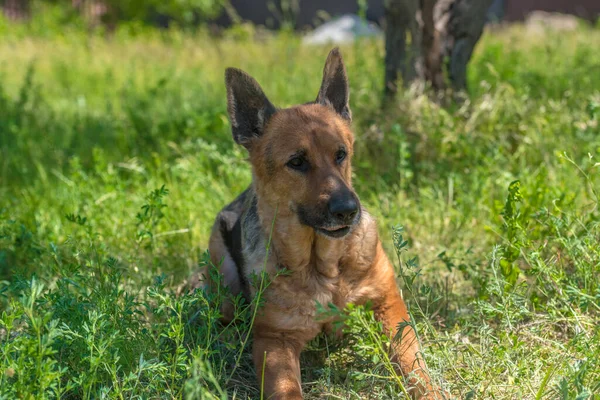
507 307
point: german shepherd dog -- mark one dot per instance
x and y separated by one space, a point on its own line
301 201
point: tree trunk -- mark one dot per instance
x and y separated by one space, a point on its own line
401 24
443 34
432 62
16 9
459 24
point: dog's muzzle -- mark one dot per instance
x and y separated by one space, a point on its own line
343 212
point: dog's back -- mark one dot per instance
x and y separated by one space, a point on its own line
226 244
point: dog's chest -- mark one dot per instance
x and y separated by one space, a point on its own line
304 277
296 299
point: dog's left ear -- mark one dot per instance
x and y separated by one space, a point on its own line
334 90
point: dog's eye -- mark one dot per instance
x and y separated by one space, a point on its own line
340 156
298 163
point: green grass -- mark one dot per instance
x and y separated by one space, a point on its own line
502 279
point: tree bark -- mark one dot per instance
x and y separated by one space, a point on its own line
16 9
443 34
459 24
432 67
401 26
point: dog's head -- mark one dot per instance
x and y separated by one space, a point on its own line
301 155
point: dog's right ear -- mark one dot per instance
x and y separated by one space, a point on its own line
248 107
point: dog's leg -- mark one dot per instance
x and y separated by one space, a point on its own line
277 362
391 311
405 350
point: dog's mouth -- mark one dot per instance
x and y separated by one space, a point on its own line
328 227
335 231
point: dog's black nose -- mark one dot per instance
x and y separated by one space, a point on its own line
344 208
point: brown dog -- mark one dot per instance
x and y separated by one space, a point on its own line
301 199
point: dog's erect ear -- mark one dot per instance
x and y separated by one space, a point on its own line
248 107
334 88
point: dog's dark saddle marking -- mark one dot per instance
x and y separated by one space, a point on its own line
240 227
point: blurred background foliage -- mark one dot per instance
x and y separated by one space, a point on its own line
184 13
116 154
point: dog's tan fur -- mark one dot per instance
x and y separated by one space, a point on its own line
350 269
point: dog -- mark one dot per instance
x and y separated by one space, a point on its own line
301 215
